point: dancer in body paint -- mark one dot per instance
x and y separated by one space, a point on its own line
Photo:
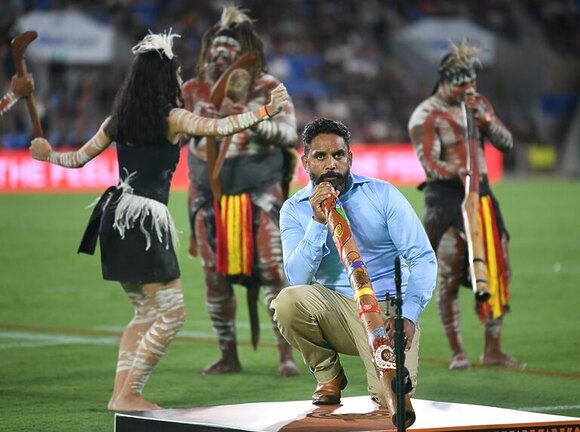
258 164
437 129
318 315
131 220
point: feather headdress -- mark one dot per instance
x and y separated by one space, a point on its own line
458 67
232 16
162 43
236 24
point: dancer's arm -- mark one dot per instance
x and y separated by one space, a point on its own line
41 150
182 121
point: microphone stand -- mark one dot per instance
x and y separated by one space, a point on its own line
399 348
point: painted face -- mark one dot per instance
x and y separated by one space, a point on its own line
223 52
455 92
328 160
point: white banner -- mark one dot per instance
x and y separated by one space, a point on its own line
430 38
68 37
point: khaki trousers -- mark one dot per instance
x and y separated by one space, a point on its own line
322 324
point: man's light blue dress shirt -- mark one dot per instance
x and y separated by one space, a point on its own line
384 226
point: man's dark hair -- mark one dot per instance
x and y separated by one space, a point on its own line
149 92
324 126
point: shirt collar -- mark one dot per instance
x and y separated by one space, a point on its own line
353 182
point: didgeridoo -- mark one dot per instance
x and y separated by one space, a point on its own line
369 311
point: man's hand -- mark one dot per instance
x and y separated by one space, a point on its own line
279 98
321 192
22 86
408 328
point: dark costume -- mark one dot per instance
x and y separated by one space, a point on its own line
135 229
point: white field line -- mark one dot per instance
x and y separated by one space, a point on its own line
265 330
21 339
27 339
120 328
550 408
182 333
199 323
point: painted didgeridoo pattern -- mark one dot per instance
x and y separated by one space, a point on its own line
383 355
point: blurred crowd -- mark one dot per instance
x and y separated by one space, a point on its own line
334 56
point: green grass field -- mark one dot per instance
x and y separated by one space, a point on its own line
60 323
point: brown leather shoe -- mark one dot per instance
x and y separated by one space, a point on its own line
328 393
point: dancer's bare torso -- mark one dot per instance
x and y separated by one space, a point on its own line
437 129
280 131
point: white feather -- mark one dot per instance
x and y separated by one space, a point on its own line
134 209
162 43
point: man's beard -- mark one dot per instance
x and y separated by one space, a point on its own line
337 180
